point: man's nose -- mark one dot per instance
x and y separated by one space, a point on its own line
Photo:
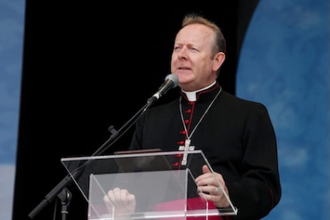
183 53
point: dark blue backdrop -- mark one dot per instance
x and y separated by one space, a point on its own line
284 63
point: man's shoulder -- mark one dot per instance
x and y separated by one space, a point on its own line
231 99
164 106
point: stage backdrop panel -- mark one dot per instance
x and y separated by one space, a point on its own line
284 63
11 45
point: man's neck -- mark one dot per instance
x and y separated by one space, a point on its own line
191 95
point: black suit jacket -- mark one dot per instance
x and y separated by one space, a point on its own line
236 136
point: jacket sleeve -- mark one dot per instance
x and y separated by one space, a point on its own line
136 142
258 191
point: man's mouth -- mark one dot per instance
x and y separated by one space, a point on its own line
184 68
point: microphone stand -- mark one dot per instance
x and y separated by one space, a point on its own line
60 189
65 196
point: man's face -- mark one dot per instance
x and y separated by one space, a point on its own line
192 59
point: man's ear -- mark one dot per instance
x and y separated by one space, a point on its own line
218 60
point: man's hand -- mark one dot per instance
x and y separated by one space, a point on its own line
121 201
209 187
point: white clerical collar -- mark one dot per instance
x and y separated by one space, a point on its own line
192 95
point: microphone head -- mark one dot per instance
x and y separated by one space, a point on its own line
174 78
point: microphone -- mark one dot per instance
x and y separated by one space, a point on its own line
171 81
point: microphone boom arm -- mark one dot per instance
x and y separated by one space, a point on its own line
115 135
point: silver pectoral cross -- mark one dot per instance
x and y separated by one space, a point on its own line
186 148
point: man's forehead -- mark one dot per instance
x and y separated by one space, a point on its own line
194 34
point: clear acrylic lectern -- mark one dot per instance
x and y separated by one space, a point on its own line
163 188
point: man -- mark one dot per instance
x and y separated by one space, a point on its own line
235 135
